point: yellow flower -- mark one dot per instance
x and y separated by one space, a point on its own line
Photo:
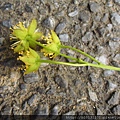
25 36
52 42
31 60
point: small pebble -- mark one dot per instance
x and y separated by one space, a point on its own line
84 16
99 112
117 2
105 18
7 6
7 23
117 58
87 37
32 100
103 59
64 37
74 13
109 27
93 96
94 7
60 27
49 23
30 78
111 86
114 100
116 110
2 39
115 18
114 45
58 79
108 73
28 8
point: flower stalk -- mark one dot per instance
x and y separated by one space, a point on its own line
26 39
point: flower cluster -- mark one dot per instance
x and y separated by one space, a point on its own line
24 36
26 39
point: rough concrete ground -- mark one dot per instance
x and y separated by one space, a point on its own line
90 25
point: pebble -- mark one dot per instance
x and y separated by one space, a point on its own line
117 58
116 39
23 86
32 100
84 16
87 37
28 8
116 110
30 78
49 22
60 82
74 13
42 110
103 59
60 27
114 100
99 112
111 86
7 6
2 39
109 27
117 2
94 7
114 45
7 23
108 73
64 37
105 18
93 96
109 3
56 109
115 18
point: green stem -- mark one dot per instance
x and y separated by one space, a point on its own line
61 63
77 65
83 53
104 66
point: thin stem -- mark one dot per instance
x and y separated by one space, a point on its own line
83 53
104 66
61 63
77 65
